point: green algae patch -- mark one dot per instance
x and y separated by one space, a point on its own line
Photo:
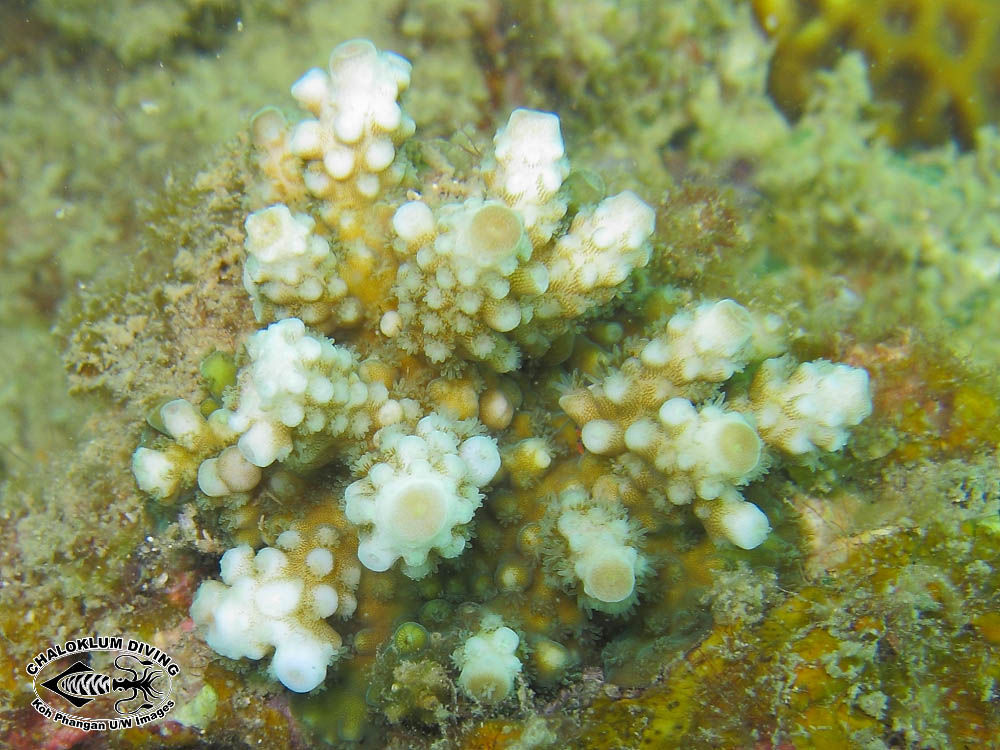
200 710
219 371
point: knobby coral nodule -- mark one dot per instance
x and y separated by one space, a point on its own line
441 290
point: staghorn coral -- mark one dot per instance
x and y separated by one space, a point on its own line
642 413
602 553
281 597
483 276
485 269
515 266
488 664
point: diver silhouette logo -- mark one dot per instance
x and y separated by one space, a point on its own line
134 693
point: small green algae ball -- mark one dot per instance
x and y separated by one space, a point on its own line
351 720
209 406
505 506
429 587
366 641
529 540
481 586
410 638
219 371
455 589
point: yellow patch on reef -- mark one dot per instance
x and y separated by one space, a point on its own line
799 678
948 422
936 59
988 625
658 719
219 371
933 410
490 735
974 417
830 727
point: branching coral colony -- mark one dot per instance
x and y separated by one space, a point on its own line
443 286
